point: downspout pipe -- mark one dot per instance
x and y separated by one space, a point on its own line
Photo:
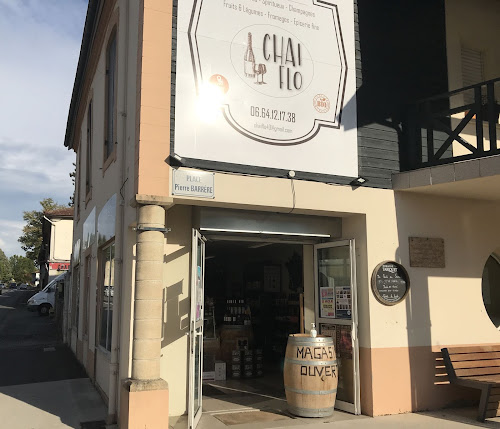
114 378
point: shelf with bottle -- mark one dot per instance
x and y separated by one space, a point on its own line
209 318
237 312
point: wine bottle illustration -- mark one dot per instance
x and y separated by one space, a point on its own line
249 60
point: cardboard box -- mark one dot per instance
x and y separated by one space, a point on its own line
220 370
208 376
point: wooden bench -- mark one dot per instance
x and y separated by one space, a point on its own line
477 367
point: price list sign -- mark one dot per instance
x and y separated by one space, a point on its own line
390 283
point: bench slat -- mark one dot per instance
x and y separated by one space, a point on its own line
494 398
477 364
491 379
477 371
492 413
495 391
474 349
493 406
474 356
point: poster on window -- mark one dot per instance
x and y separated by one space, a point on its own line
199 294
343 302
327 302
344 342
273 87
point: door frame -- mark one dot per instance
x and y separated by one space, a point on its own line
196 328
354 408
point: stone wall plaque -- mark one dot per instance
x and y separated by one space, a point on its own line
426 252
390 283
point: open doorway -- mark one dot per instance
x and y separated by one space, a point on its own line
247 297
252 302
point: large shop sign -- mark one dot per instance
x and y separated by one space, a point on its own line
268 84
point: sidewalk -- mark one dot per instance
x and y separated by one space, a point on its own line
51 405
458 418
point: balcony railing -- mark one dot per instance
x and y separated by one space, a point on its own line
456 126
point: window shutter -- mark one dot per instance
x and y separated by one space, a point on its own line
472 71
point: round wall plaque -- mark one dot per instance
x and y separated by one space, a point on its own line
390 282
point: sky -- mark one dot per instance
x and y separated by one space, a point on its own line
39 48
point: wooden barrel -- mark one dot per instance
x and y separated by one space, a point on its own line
310 375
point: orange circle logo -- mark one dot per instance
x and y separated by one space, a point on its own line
321 103
220 81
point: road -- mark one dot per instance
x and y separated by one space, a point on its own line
31 349
42 385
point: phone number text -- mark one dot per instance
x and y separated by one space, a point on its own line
277 115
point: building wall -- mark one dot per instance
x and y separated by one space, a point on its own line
175 341
115 178
398 340
399 344
154 97
61 244
473 25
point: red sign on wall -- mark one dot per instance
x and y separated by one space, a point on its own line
59 266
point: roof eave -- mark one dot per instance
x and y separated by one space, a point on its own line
90 24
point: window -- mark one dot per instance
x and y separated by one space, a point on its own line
76 296
86 296
491 288
106 296
88 164
110 124
78 174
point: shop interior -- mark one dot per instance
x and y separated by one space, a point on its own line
253 301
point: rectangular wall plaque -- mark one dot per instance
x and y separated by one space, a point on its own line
193 183
426 252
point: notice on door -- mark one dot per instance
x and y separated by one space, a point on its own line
343 302
327 303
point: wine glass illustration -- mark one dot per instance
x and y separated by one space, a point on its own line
260 70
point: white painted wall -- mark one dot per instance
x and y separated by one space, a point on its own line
61 243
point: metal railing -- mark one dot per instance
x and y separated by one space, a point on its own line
455 126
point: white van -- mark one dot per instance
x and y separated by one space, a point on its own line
44 300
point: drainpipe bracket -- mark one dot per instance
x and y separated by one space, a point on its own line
150 228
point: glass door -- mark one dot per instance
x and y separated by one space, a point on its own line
337 315
196 328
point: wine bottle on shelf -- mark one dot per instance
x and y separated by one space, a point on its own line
249 59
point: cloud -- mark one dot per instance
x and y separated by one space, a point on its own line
9 233
39 51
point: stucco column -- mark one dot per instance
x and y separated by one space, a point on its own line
144 400
148 293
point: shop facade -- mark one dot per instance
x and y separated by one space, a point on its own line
215 180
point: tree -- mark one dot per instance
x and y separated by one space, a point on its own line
31 239
5 271
22 268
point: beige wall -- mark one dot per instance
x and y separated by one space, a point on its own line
61 243
177 306
473 25
469 134
382 221
118 178
153 92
